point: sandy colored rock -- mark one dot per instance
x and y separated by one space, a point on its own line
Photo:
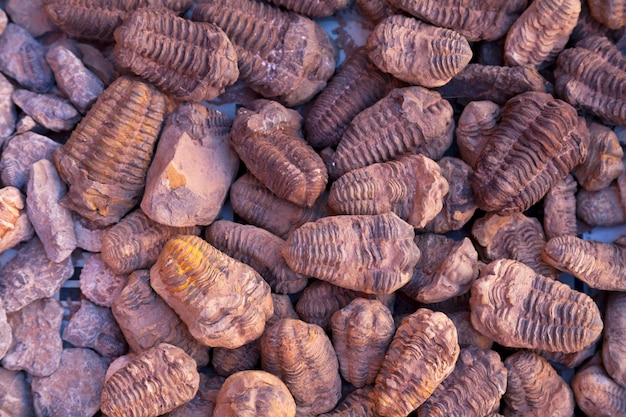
17 400
99 283
15 226
8 115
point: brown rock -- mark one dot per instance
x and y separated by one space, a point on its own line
14 224
99 283
597 394
359 403
609 13
468 335
203 404
476 125
17 400
604 159
52 112
283 309
227 362
614 343
605 207
559 209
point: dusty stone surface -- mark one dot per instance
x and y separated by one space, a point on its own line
50 111
98 63
98 283
203 403
74 389
16 400
31 15
88 236
27 124
14 224
52 222
8 115
37 344
6 335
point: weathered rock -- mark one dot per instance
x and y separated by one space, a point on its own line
98 63
31 15
14 224
50 111
25 123
88 236
8 115
203 403
6 335
4 20
99 283
17 400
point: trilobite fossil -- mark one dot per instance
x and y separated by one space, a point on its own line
359 403
596 393
474 129
227 362
611 13
614 343
559 209
313 8
605 207
604 159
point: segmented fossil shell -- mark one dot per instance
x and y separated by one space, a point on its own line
534 388
571 360
473 389
14 223
227 362
283 309
603 46
605 207
484 20
302 356
614 343
258 248
97 19
541 32
587 80
357 85
407 121
361 333
538 141
191 61
446 268
468 335
146 320
136 242
255 393
282 55
611 13
257 205
416 52
516 307
203 404
268 139
597 394
223 302
514 237
476 125
411 187
154 382
600 265
375 10
587 25
19 153
604 159
372 254
359 403
421 355
119 133
559 209
313 8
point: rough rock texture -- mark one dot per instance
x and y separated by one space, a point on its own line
359 403
605 207
99 283
226 362
52 112
96 62
476 124
604 159
8 115
559 209
15 226
597 394
193 168
17 399
614 343
6 334
31 15
203 404
88 236
468 335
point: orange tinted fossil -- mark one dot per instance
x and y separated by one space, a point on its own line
411 187
97 19
516 307
611 13
191 61
541 32
257 205
281 54
416 52
513 237
255 393
313 8
446 268
223 302
406 121
559 209
476 125
474 388
227 362
421 355
359 403
587 80
268 138
118 133
538 141
604 159
614 342
136 242
372 254
357 85
258 248
152 383
361 333
605 207
597 394
15 226
302 356
600 265
484 20
535 388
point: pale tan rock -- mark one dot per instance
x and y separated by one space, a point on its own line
99 283
88 236
17 400
203 403
15 226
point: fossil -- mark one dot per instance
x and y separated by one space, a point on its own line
605 207
375 10
99 283
468 335
313 8
416 52
559 209
605 47
604 159
516 307
96 61
587 25
17 399
190 61
282 55
597 394
19 153
52 112
476 124
374 254
227 362
203 404
614 342
538 141
611 13
283 309
359 403
15 227
120 131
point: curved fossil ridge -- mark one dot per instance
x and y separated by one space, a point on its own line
476 20
603 46
604 159
227 362
357 85
257 205
313 8
224 302
106 159
98 19
302 356
541 32
535 388
136 242
611 13
258 248
372 254
614 341
476 125
473 389
282 55
516 307
152 383
411 187
191 61
421 355
407 121
359 403
588 81
600 265
597 394
538 141
559 208
416 52
375 10
361 333
268 139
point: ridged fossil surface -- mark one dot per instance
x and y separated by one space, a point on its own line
474 129
559 209
359 403
614 342
611 13
604 159
313 8
227 362
597 394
